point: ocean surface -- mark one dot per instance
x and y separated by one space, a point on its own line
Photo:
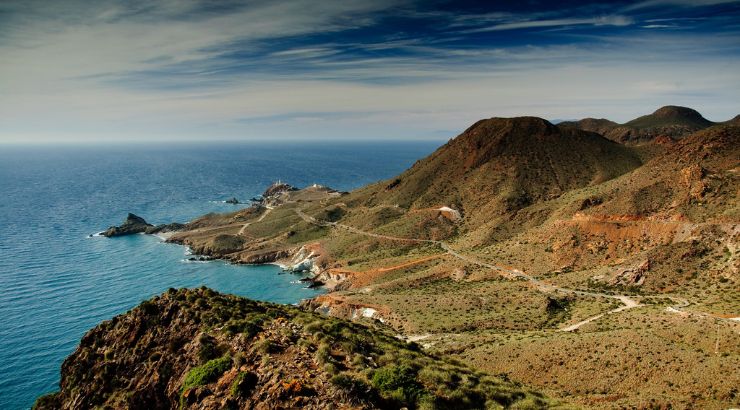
56 282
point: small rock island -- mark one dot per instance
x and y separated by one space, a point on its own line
134 224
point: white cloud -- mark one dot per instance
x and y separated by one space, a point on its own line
592 21
680 3
56 73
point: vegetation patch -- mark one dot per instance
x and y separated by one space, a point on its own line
207 373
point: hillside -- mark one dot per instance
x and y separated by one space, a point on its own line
669 121
734 121
200 349
563 260
600 126
501 165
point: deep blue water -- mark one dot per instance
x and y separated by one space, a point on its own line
55 283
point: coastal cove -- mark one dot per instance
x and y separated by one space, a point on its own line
57 282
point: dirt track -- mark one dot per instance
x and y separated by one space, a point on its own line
626 300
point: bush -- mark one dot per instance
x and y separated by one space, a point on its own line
435 376
350 384
47 401
207 373
323 353
149 308
264 346
397 383
250 326
331 368
208 349
239 359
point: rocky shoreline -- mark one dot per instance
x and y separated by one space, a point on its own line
300 259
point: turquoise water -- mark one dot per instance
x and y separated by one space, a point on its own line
56 283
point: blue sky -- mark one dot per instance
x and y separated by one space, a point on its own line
111 70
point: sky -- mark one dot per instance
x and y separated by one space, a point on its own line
194 70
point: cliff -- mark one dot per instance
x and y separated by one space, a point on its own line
201 349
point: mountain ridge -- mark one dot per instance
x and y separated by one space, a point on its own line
667 121
496 164
544 252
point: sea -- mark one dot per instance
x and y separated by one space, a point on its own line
57 282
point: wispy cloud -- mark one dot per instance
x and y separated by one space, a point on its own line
680 3
590 21
385 69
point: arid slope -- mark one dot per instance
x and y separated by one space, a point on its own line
203 350
669 121
552 255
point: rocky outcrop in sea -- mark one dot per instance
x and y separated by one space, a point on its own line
134 224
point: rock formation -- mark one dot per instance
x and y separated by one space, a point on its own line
131 225
202 350
134 224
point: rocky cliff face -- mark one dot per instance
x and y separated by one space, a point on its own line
200 349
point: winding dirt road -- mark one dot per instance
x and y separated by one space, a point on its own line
627 301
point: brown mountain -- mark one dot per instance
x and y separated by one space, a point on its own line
597 125
669 121
500 165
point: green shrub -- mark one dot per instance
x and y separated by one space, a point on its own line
208 349
239 359
264 346
204 374
149 308
397 383
207 373
349 383
358 360
249 326
331 368
323 353
47 401
433 376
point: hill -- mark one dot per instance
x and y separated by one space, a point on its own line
200 349
669 116
500 165
598 125
566 261
733 121
669 121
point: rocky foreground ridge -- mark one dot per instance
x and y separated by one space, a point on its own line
203 350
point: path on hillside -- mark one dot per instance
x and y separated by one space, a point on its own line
241 231
626 300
